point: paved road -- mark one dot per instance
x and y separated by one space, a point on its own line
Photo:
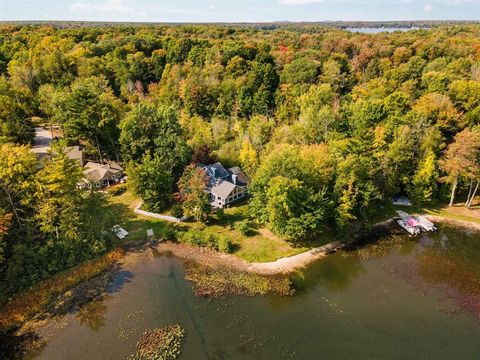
42 140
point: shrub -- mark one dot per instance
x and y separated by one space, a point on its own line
205 238
168 233
223 244
118 190
242 227
220 215
177 210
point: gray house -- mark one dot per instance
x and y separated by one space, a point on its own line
224 186
99 175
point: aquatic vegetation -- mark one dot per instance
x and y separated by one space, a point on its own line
462 284
381 247
160 344
217 282
126 328
38 299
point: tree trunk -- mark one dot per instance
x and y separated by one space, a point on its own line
114 147
473 195
452 196
469 193
98 150
14 209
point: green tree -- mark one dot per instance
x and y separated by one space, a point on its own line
17 168
90 111
15 113
153 181
192 186
147 129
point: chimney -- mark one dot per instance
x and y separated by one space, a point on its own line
214 172
234 178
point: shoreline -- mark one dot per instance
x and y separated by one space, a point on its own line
285 265
144 251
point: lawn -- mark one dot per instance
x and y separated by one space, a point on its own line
386 210
135 224
260 246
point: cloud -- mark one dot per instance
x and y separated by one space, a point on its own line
428 7
110 6
298 2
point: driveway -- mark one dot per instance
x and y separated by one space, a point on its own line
42 140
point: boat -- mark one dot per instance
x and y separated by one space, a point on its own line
419 222
403 215
426 224
412 230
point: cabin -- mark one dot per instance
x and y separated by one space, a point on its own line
225 186
98 175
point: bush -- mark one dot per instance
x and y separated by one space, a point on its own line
220 215
168 233
242 227
204 238
177 210
118 190
223 244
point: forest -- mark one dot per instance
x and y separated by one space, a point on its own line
328 124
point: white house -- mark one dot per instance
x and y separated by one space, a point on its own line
225 186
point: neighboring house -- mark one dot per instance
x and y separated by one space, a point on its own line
75 153
99 175
225 186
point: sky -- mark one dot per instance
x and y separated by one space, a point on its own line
238 10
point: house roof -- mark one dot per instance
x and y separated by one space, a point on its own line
97 172
74 152
223 190
216 171
242 178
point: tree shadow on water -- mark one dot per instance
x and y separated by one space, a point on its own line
13 346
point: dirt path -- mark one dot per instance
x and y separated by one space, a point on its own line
209 257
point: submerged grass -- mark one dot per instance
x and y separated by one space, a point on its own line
218 282
160 344
34 301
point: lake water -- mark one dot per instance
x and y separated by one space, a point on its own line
407 298
378 30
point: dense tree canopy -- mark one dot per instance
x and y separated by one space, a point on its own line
327 123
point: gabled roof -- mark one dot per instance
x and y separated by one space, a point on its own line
216 171
223 190
97 172
242 178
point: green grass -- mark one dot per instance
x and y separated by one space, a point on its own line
135 224
387 210
445 212
260 246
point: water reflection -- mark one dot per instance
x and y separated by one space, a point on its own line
92 314
335 272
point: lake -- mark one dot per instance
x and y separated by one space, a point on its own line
402 298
